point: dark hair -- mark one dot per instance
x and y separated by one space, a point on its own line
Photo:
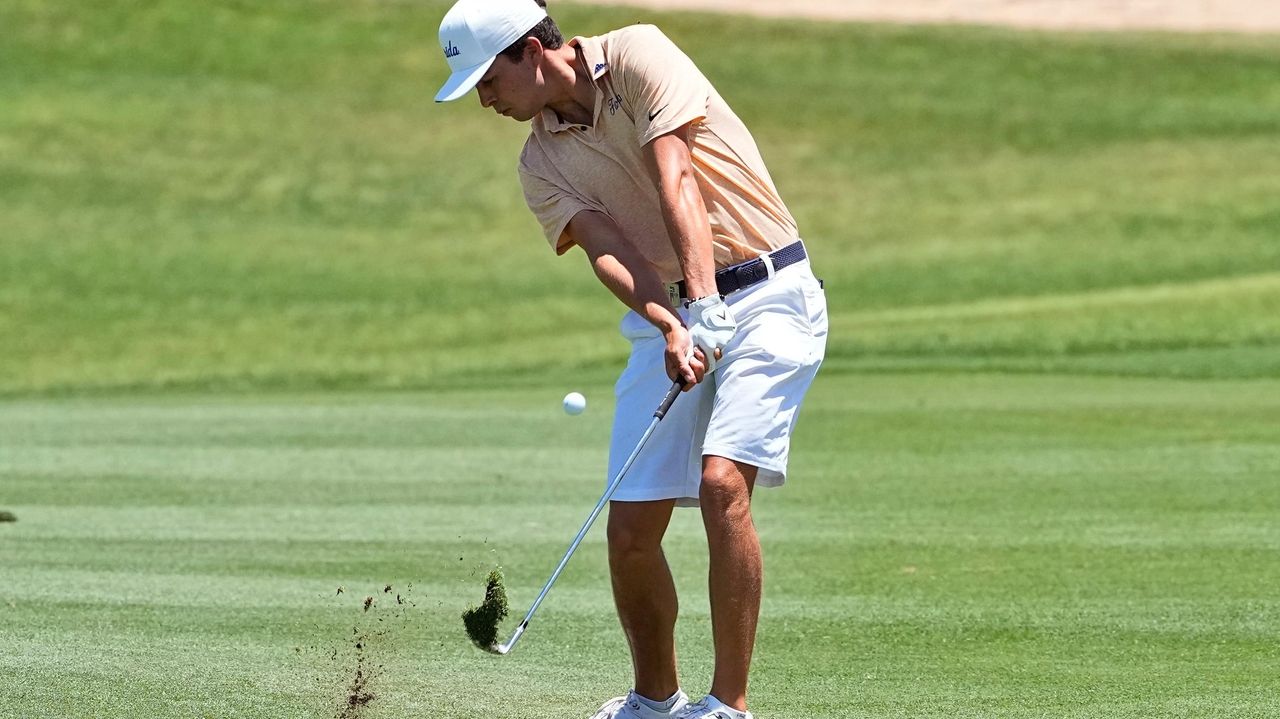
546 33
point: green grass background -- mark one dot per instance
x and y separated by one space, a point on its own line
1035 479
233 194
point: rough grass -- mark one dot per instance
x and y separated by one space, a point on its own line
233 195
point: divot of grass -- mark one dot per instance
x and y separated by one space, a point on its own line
482 621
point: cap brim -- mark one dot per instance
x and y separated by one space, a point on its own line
461 82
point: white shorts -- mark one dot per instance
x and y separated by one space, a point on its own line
745 411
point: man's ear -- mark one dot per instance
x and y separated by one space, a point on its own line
533 49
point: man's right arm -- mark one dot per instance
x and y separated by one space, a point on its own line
630 277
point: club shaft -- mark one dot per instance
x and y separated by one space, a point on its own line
586 526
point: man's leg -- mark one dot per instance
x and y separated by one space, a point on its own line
645 593
736 573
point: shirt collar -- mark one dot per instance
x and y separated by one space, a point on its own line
593 55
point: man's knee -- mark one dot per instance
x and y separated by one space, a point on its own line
635 531
726 489
625 540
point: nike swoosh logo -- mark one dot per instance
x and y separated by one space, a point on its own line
724 315
657 112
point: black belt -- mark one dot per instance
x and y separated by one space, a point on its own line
745 274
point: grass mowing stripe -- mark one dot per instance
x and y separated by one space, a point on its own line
951 546
1221 289
1227 312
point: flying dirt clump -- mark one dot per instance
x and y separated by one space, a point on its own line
351 673
482 621
8 517
357 692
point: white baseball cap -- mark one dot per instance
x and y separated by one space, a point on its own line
472 34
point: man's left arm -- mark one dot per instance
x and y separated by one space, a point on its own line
689 228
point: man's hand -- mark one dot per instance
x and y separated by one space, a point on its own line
684 361
711 326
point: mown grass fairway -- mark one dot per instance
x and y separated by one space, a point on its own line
952 546
272 324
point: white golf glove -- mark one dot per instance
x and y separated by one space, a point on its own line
711 326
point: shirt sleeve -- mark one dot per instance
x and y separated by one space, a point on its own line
658 81
554 207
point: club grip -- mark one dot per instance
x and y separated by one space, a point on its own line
669 399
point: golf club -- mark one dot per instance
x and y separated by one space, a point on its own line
613 486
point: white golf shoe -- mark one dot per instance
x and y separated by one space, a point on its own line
629 707
711 708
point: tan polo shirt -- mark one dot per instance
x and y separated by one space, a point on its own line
647 87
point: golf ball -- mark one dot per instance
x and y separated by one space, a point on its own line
574 403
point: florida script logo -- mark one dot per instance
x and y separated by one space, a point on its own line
450 50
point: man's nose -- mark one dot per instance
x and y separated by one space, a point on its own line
486 99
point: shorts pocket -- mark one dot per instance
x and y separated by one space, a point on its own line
815 306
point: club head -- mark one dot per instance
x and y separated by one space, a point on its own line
504 648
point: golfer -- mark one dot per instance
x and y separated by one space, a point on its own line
634 157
